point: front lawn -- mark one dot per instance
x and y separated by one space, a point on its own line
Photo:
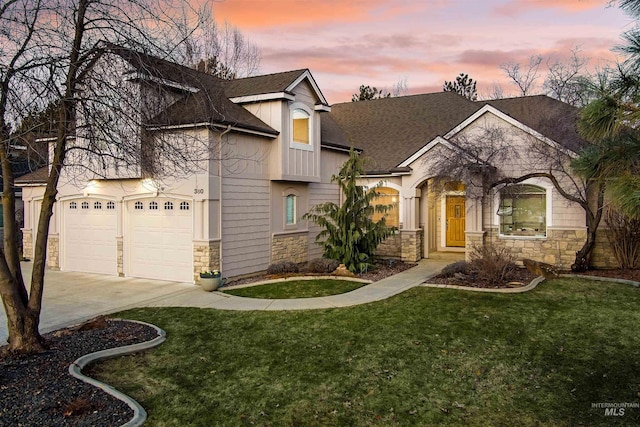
425 357
297 289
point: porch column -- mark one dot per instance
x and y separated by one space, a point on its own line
411 234
474 229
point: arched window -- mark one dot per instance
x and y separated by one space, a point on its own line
184 206
85 205
97 205
290 209
153 206
139 206
523 211
111 206
168 206
390 198
73 205
301 128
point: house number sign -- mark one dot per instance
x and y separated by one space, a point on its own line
198 191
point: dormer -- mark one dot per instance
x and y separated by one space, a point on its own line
291 103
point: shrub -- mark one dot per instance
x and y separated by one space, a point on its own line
458 267
283 268
624 237
322 265
492 265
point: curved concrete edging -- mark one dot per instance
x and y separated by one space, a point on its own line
534 283
603 279
294 278
75 369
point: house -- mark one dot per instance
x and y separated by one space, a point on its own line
241 161
412 141
260 164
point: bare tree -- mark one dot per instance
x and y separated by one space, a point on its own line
524 77
400 88
481 159
565 80
52 54
221 50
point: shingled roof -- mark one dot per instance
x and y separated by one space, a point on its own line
552 118
261 85
203 99
390 130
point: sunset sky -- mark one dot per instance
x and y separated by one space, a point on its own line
346 43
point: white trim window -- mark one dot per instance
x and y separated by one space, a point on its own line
290 209
301 127
523 211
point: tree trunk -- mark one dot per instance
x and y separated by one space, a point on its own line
583 256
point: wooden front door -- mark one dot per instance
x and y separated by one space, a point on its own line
455 221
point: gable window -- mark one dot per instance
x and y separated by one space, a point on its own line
390 198
523 211
290 209
301 127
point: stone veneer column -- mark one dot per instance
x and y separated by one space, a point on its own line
27 243
473 239
53 252
206 256
291 247
120 255
411 250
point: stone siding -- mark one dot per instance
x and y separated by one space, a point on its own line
27 243
206 256
290 247
602 256
411 250
53 252
120 256
391 247
559 248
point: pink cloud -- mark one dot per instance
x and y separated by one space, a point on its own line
516 7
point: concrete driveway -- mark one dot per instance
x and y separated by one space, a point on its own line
71 298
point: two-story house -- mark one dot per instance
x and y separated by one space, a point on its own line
260 164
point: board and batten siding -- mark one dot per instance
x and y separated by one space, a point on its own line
301 164
245 226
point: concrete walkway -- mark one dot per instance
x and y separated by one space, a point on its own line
71 298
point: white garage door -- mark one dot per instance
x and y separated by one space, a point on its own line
90 236
160 239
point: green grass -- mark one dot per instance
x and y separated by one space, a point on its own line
297 289
426 357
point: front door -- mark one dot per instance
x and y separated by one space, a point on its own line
455 221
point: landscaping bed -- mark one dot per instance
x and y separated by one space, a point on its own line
37 390
380 270
296 289
495 348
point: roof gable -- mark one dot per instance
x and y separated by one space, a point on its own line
201 99
271 86
391 130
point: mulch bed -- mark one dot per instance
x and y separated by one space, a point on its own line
37 390
522 277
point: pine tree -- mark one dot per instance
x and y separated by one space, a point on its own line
350 236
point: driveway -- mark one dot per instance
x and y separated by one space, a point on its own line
71 298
